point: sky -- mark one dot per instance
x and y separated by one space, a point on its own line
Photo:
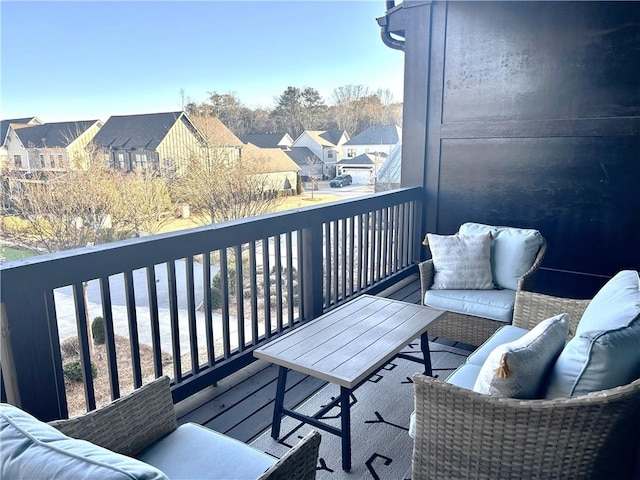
75 60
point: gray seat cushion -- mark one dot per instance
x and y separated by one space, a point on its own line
193 451
33 450
464 376
505 334
493 304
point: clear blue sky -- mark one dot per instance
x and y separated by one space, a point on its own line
74 60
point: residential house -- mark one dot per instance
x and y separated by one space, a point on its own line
4 129
49 147
273 166
221 144
310 164
376 139
159 141
269 140
325 144
362 168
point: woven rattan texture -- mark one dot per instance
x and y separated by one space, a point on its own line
463 434
299 463
531 308
128 424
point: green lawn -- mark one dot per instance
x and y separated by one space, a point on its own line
8 252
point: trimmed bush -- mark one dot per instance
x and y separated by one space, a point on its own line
98 331
216 290
73 371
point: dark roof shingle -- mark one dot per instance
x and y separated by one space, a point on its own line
4 125
50 135
264 140
303 156
144 131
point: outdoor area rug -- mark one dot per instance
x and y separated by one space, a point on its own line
380 408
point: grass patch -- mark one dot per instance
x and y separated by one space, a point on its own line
9 252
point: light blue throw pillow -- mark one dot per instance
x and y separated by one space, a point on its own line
605 351
33 450
513 251
519 369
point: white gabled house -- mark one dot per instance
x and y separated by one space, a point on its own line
380 139
326 145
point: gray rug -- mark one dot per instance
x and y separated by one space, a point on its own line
380 408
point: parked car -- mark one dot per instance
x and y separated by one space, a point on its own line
341 181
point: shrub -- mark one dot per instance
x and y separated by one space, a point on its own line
216 290
70 348
73 371
98 331
216 297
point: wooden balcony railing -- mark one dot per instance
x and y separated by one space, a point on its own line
269 273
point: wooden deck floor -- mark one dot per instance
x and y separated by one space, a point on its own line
241 405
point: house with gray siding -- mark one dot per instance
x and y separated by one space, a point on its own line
379 139
49 147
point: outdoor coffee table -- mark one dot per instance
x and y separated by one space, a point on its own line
346 346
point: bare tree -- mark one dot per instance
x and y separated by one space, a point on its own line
218 182
146 202
84 206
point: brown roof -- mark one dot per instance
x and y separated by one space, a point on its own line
215 132
269 160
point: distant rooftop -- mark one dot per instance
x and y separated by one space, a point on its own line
52 135
268 140
378 135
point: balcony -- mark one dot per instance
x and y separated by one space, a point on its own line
282 269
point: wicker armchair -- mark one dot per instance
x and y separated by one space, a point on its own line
131 423
463 434
468 328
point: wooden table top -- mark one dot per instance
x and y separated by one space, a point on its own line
348 344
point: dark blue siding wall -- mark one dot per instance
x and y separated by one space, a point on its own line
534 121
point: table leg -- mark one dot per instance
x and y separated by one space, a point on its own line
424 346
279 402
345 409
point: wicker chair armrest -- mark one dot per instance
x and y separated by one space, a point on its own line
129 424
532 308
463 434
525 282
300 462
426 276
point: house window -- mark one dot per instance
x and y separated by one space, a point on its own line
42 165
53 162
141 160
121 165
60 160
351 152
330 154
17 160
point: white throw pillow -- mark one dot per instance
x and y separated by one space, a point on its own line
519 369
461 262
